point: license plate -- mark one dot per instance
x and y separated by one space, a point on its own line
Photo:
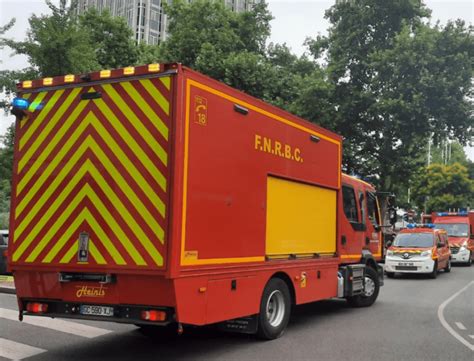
97 310
406 264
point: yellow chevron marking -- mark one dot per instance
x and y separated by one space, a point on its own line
156 95
85 215
135 121
34 105
69 254
86 191
166 82
149 165
149 112
44 112
89 143
88 167
57 137
52 166
26 95
96 253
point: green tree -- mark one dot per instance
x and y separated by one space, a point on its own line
55 44
111 37
6 164
393 81
440 187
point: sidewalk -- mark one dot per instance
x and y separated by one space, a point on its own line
6 284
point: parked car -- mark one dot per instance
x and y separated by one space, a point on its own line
3 251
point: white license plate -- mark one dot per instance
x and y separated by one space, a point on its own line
406 264
97 310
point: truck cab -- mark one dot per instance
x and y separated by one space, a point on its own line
419 249
458 226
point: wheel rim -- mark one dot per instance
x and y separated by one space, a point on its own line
275 308
369 287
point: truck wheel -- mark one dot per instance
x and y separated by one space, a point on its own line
274 310
390 274
434 274
371 292
448 266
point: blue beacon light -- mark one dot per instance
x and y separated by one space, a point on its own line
20 103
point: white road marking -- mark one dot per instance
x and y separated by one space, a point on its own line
17 351
73 328
446 325
460 325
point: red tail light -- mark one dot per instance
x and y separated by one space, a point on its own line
153 315
5 253
36 307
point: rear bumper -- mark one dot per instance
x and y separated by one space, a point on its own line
409 266
121 313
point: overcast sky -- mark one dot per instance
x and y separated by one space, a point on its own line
294 22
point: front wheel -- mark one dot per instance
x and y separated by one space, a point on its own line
275 309
448 266
434 274
469 261
371 290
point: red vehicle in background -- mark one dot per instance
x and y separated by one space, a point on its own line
459 226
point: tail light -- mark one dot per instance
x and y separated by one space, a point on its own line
153 315
36 307
5 253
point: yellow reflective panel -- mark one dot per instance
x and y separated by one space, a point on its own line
48 81
69 78
27 84
129 70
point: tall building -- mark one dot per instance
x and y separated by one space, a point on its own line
146 17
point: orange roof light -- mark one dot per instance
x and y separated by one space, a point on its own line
153 67
27 84
105 73
129 70
69 78
48 81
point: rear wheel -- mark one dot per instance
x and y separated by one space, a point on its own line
448 266
275 309
434 274
371 290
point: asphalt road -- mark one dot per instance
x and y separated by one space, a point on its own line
415 318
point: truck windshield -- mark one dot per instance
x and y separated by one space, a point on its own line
415 240
454 229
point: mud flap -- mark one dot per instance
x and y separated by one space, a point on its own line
241 325
380 273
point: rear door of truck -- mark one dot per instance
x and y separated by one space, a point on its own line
91 174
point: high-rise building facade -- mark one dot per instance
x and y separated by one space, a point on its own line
146 17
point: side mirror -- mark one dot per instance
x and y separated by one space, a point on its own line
392 216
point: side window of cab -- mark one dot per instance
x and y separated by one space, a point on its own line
350 204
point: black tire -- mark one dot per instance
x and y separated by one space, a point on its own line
275 308
447 269
390 274
469 262
367 299
434 274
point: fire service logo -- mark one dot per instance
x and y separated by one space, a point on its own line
88 291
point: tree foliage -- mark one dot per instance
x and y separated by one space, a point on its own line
440 187
393 80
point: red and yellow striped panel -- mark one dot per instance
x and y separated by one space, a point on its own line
98 166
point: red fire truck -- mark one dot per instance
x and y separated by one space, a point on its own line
459 226
154 195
